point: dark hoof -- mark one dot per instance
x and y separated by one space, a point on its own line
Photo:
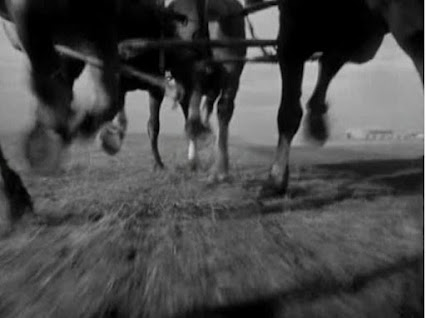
193 165
111 139
317 128
195 129
271 190
44 149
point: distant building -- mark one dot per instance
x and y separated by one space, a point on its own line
370 134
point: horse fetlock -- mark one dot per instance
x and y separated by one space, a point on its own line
317 127
44 149
158 165
193 164
220 172
279 177
20 199
195 129
276 184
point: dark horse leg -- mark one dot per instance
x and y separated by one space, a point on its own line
193 159
16 193
51 132
316 127
406 23
291 62
155 99
195 128
208 106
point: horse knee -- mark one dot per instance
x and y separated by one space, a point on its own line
225 109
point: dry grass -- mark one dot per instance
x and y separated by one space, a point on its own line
117 240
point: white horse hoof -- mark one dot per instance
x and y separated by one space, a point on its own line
217 177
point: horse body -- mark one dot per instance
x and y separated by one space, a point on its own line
342 31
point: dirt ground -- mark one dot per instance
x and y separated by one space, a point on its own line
116 240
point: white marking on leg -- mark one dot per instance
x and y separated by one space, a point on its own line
281 159
192 151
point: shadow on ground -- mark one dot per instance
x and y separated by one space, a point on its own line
283 303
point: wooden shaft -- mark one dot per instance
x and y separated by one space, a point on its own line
133 47
126 69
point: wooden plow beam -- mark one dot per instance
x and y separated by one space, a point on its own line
158 81
268 59
133 47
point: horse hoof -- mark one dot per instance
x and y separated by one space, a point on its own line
111 140
317 128
158 166
275 186
20 199
44 150
193 165
218 177
271 190
205 140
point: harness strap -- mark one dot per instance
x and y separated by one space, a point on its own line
203 33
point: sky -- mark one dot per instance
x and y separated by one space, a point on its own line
384 93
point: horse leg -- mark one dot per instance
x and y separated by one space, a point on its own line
289 117
195 129
408 31
155 100
316 128
225 110
413 45
15 191
112 135
208 106
106 82
192 141
51 133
